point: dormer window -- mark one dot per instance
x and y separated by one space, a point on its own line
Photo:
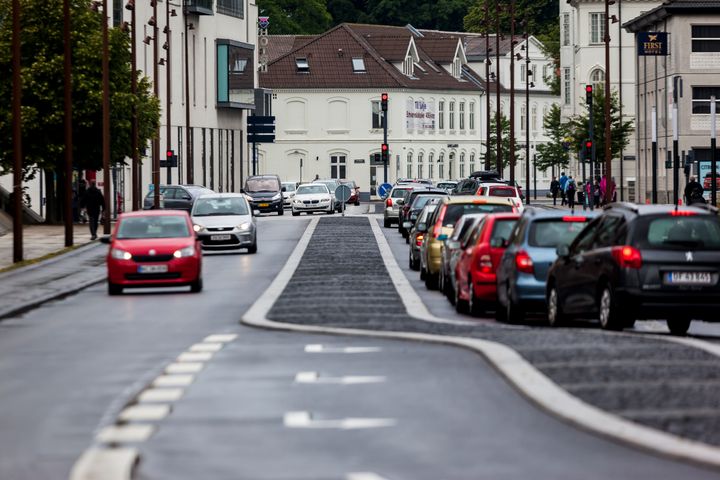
456 68
302 65
358 65
408 65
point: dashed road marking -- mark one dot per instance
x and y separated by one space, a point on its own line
318 348
206 347
220 338
105 464
184 367
173 380
144 413
161 395
305 420
364 476
314 377
194 357
125 433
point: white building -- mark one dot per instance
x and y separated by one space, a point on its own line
582 62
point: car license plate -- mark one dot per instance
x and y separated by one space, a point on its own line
152 268
219 237
688 278
264 205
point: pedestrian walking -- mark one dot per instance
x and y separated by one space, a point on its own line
563 181
570 189
581 194
603 189
94 203
613 190
596 193
554 189
694 192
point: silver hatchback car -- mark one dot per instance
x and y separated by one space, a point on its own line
224 221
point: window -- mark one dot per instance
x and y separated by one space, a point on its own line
408 66
566 29
701 99
235 74
456 68
117 13
462 165
409 165
462 116
234 8
523 115
597 27
706 38
441 166
431 165
545 71
533 118
597 77
441 115
358 65
566 85
419 166
472 115
338 165
451 121
523 72
376 114
302 65
533 71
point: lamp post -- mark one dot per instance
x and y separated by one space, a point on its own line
168 91
498 111
511 153
135 187
106 117
608 130
67 88
487 84
156 91
190 171
17 135
528 84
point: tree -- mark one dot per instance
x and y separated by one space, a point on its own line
296 16
490 156
43 99
553 153
620 131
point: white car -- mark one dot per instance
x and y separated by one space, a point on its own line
313 197
502 190
288 193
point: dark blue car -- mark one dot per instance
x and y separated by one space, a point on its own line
522 273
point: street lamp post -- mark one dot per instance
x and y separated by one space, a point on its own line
487 84
156 91
106 118
135 187
528 74
511 153
608 132
168 91
67 87
498 111
17 135
188 144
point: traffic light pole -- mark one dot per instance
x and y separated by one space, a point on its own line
385 141
654 156
675 153
591 134
713 153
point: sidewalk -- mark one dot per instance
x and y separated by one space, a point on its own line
31 285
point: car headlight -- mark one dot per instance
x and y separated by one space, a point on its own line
298 202
185 252
198 228
325 200
277 196
244 227
118 254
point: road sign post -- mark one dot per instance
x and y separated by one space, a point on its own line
384 189
343 193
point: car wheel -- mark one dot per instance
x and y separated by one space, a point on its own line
114 289
253 248
554 310
513 313
461 306
678 326
330 212
475 306
357 203
197 285
387 223
295 214
431 281
610 318
281 211
423 273
441 280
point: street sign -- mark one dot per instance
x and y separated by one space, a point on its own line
342 193
252 128
384 189
255 138
261 129
260 119
652 43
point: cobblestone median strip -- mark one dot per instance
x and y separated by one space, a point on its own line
336 282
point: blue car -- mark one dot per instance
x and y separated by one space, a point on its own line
522 273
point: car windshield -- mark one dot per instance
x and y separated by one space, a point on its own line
552 233
255 185
207 207
196 191
153 226
400 192
427 211
697 232
310 189
502 228
422 200
289 186
457 210
502 192
330 184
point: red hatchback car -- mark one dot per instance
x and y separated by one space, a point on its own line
153 248
475 270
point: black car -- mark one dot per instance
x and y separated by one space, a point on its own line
416 207
265 192
404 213
640 262
176 197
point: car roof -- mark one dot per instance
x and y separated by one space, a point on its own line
658 209
541 213
311 184
223 195
464 199
153 213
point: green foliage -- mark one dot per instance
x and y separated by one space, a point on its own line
42 94
298 16
578 127
552 153
491 153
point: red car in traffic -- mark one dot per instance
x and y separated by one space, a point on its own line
476 284
153 248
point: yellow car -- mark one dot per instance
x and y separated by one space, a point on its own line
440 227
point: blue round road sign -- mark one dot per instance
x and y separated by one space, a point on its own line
342 193
384 189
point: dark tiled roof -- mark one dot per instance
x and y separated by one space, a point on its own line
669 8
391 48
440 49
475 45
279 45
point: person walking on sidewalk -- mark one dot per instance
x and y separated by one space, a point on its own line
570 189
563 182
554 189
94 203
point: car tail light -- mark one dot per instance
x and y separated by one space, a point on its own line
419 240
388 202
523 262
627 256
572 218
484 260
682 213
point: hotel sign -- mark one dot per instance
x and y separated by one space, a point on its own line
652 43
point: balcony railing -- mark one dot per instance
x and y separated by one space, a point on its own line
200 7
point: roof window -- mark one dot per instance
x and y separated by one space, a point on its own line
358 64
302 64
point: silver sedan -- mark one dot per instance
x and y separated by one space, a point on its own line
225 221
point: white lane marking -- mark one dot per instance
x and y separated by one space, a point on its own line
305 420
319 348
518 371
194 357
206 347
364 476
314 377
220 338
161 395
173 380
184 367
125 433
145 413
105 464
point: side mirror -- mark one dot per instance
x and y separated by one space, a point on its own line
256 213
106 239
442 237
563 251
421 227
497 242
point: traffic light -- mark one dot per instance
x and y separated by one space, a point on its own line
384 102
588 94
385 153
170 154
588 145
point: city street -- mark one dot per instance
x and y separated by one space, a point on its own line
176 379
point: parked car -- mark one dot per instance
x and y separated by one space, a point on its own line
156 248
501 190
522 274
265 192
475 281
313 197
417 233
354 191
449 211
394 201
404 212
415 207
176 197
288 192
452 250
331 184
640 262
224 221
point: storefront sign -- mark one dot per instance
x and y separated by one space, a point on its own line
652 43
420 115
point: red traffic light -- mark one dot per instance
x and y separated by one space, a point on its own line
170 153
588 88
384 147
588 144
384 97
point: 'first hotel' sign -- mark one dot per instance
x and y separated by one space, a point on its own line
652 43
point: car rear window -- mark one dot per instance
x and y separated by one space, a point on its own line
552 233
422 200
457 210
697 232
502 192
502 229
155 226
400 192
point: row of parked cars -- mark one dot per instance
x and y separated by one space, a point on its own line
615 266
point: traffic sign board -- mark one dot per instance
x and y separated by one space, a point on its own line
260 119
342 193
258 138
252 128
384 189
